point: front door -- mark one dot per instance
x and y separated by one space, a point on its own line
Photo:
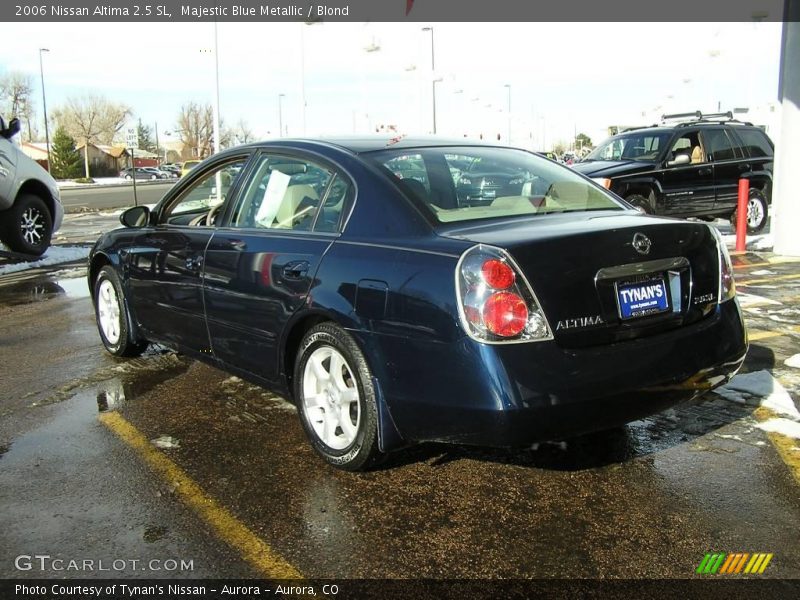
165 262
688 187
260 267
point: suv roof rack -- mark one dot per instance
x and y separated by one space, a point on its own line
691 118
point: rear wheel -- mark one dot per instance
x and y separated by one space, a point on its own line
111 312
757 212
27 225
336 399
643 204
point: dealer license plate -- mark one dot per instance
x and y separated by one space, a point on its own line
642 298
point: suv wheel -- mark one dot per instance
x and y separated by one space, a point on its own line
642 203
27 225
757 212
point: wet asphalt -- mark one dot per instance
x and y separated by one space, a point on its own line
647 500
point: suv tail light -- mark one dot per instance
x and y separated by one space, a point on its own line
495 301
727 286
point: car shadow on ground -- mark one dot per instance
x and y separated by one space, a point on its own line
681 425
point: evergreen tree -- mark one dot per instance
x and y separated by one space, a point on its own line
146 137
66 160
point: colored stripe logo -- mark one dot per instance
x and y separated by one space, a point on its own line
722 563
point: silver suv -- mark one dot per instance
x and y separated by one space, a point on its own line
30 205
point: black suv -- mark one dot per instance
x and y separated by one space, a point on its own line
688 169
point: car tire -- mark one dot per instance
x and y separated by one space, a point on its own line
757 212
27 226
339 414
128 177
112 316
642 203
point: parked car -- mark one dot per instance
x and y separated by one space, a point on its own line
391 314
188 166
30 203
172 170
142 173
688 169
484 180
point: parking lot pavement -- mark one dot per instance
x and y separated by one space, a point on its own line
81 473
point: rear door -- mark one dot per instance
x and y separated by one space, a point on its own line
260 267
729 166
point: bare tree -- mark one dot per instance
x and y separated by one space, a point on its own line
92 119
195 125
242 134
17 90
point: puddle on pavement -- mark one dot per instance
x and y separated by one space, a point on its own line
122 381
69 283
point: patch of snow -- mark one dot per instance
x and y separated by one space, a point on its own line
763 385
785 427
54 255
793 361
166 441
763 272
745 300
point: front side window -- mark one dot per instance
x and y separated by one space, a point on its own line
209 192
467 183
688 144
631 146
292 193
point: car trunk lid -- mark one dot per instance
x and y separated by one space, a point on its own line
609 276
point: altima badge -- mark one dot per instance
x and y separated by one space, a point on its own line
641 243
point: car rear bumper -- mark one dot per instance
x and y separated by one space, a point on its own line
516 394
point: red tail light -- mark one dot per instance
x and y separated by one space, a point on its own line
505 314
496 303
497 274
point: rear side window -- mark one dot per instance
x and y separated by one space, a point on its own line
755 142
469 183
719 145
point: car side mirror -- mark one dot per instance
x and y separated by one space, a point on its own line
135 217
681 159
14 127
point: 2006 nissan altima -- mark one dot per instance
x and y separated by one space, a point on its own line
356 277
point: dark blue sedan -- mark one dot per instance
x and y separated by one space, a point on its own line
393 312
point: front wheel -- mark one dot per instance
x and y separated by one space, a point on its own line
27 225
757 212
336 399
111 312
642 203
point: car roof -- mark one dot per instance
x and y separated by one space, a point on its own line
359 144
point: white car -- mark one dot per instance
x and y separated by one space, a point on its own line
30 204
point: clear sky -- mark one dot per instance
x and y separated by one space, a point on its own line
562 77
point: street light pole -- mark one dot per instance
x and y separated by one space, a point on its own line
44 107
508 87
216 91
280 114
433 78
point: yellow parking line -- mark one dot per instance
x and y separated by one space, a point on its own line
783 444
764 335
252 548
767 280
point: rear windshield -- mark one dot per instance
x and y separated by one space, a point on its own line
465 183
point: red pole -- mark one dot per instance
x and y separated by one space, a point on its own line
741 214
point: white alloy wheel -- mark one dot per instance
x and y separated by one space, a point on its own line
330 398
755 213
108 313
